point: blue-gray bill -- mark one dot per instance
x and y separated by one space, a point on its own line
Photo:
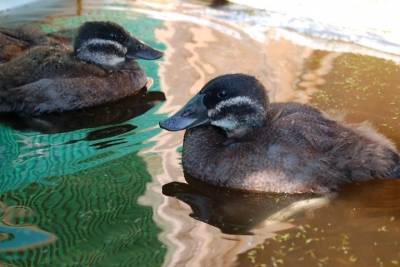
193 114
139 50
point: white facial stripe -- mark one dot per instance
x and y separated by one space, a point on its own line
101 58
234 101
211 112
97 41
110 60
227 123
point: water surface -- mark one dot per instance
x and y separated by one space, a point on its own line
105 187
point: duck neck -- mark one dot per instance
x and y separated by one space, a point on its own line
246 130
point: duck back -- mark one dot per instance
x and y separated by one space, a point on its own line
298 150
51 79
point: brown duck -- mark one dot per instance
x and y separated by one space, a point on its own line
235 138
52 78
15 41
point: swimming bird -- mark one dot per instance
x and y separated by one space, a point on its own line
101 68
14 41
235 138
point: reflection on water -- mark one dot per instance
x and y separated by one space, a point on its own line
94 215
235 212
108 184
17 233
208 228
79 172
111 113
360 228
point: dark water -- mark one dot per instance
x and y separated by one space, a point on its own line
104 186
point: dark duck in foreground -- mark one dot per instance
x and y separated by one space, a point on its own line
52 78
235 138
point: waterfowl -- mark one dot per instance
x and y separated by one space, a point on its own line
235 138
14 41
99 69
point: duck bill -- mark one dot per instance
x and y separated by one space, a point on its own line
193 114
137 49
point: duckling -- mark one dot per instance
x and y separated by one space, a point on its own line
235 138
100 69
14 41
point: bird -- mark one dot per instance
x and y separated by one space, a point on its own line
15 41
236 138
100 68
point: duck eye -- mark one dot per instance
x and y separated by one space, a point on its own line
221 94
139 46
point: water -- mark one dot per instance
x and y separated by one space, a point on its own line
105 187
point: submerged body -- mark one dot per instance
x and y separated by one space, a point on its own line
54 78
241 141
297 151
49 79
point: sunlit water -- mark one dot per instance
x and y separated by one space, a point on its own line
105 187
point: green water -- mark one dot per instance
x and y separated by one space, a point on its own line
78 201
105 187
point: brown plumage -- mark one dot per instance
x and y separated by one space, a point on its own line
293 148
54 78
48 79
15 41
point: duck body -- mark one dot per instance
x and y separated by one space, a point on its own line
294 149
14 41
54 78
50 79
299 151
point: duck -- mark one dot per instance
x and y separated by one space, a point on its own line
101 67
15 41
235 138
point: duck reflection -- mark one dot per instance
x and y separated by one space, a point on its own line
106 133
359 227
111 113
239 212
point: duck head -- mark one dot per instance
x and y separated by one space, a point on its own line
236 103
108 44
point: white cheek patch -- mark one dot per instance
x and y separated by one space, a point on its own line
211 112
109 59
99 57
102 42
234 101
227 123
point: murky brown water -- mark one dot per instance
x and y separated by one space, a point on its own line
358 227
206 226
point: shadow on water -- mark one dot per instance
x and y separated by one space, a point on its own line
106 133
111 113
359 228
336 230
237 212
